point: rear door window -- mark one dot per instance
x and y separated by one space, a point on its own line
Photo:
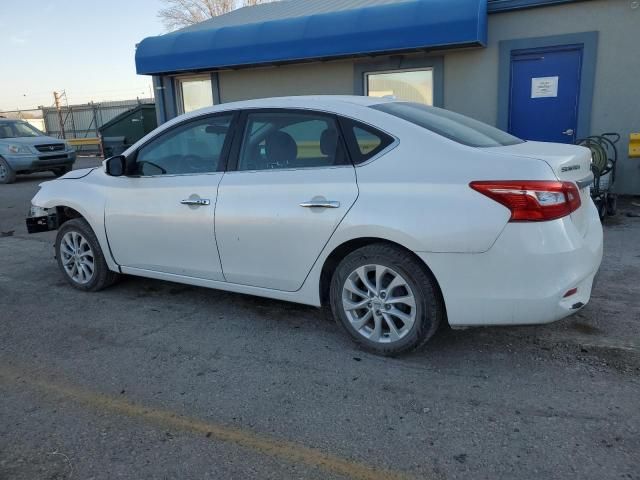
291 140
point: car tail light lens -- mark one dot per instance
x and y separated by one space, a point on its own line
570 293
532 200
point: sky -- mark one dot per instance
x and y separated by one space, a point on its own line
85 48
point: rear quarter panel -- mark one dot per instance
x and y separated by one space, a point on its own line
418 193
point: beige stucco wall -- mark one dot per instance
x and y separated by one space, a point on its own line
333 78
471 77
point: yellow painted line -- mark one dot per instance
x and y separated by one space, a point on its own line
284 450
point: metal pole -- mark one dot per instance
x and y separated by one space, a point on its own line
56 98
95 117
73 122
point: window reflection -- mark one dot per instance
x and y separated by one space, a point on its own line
195 93
409 85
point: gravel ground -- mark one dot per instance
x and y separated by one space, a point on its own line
156 380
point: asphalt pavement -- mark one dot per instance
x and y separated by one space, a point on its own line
153 380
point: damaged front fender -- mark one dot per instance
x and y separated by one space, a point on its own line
42 219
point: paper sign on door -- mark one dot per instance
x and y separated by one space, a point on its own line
544 87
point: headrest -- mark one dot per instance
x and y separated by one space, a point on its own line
280 147
329 142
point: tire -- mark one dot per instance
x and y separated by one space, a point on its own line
612 204
414 321
78 248
601 205
58 172
7 174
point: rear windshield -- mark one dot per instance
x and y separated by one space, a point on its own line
453 126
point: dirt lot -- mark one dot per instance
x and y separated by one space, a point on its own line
156 380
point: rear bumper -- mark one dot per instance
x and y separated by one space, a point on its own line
34 163
523 278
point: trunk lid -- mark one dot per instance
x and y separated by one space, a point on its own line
570 163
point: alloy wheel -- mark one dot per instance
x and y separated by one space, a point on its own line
379 303
77 257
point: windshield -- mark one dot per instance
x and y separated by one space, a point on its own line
18 129
453 126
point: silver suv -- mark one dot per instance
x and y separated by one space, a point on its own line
25 149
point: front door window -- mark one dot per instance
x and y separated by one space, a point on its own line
195 147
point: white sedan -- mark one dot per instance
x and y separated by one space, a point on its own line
399 216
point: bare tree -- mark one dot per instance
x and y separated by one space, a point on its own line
182 13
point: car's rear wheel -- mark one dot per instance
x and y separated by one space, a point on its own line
385 300
58 172
601 205
612 204
80 257
7 174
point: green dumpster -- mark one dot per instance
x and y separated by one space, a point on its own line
122 131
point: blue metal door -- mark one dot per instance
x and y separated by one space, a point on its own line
545 89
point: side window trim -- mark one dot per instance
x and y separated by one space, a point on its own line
224 154
238 137
242 123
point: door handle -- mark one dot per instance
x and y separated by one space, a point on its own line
568 131
320 204
196 202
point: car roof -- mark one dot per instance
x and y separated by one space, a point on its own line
302 101
338 104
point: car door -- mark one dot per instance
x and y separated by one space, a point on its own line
290 187
160 217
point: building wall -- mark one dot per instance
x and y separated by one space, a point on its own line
333 78
471 77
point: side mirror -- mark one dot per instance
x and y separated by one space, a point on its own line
116 166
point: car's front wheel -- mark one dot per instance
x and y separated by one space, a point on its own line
80 257
385 300
7 174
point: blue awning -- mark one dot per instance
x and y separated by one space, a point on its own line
402 26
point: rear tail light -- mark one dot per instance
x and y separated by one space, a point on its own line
570 293
532 200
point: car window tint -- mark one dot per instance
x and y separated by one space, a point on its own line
6 131
23 129
195 147
16 129
367 141
364 141
290 140
453 126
